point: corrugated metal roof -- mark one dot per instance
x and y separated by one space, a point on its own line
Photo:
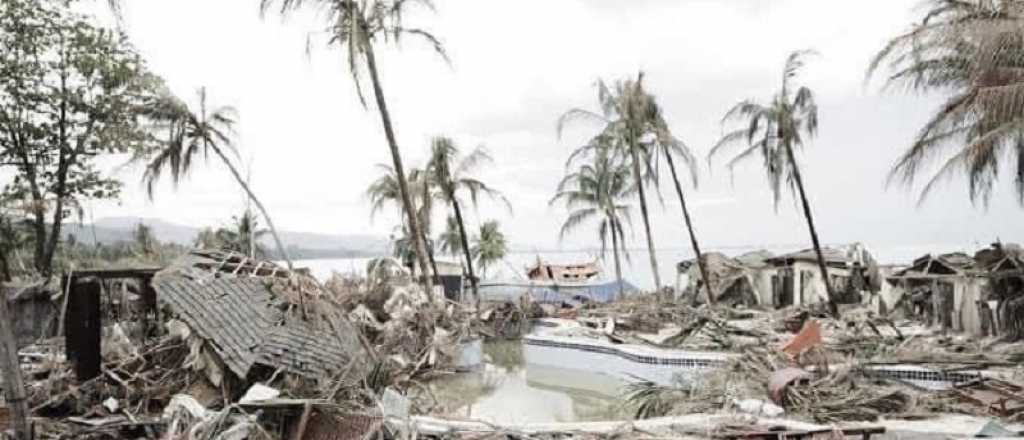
245 324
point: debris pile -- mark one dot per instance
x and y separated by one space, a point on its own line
413 330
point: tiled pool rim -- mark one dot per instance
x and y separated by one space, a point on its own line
692 360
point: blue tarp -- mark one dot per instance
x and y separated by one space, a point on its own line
554 293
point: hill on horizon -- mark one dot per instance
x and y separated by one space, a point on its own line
309 244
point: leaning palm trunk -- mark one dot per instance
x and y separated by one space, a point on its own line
689 228
426 233
618 262
465 249
832 307
259 206
643 211
433 262
396 158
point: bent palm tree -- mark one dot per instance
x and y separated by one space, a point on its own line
774 131
973 51
191 134
633 119
490 246
356 26
596 190
450 175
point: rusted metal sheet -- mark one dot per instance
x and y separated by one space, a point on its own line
808 338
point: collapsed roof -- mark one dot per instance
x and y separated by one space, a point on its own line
256 313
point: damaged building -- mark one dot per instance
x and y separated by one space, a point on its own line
945 290
745 279
794 279
252 318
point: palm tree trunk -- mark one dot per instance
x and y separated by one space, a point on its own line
263 210
618 262
428 210
832 307
396 158
465 249
638 176
433 262
689 227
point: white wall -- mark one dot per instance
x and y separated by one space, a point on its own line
815 290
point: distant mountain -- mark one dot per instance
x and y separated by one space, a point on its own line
300 244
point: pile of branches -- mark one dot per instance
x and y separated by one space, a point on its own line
845 396
418 331
742 376
509 320
141 383
698 328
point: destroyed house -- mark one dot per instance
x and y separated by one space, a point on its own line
1003 309
745 279
797 279
248 315
945 290
256 314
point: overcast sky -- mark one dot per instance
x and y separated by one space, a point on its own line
516 66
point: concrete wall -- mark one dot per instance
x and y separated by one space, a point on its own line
814 291
966 313
762 282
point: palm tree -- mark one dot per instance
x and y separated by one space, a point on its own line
634 121
144 240
244 237
197 133
451 175
386 191
490 246
356 26
596 190
972 51
774 131
450 239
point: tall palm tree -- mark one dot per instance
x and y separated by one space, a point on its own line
356 26
450 174
490 246
597 190
197 133
775 130
973 52
633 119
386 191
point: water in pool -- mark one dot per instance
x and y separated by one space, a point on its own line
509 390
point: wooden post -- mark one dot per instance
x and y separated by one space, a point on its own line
14 388
82 329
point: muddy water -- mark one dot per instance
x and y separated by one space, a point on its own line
509 390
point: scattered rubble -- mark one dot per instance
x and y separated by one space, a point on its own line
218 346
